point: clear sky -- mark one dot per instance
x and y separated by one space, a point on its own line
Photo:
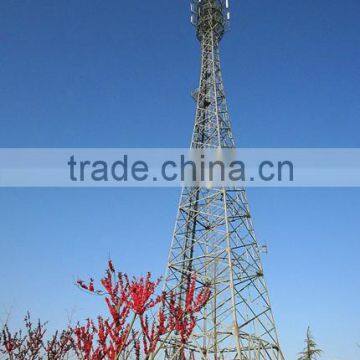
117 73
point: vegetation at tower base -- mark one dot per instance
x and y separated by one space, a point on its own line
311 351
138 324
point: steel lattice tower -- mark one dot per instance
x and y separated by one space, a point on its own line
214 235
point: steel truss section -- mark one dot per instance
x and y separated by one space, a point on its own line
214 235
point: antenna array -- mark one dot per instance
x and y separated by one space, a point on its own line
222 6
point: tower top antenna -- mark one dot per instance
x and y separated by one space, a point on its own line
210 15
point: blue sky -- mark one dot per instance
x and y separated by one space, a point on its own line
119 74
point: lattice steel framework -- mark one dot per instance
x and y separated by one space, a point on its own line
214 235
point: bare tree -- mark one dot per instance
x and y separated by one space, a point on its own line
30 343
311 350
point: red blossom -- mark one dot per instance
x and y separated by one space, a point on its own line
141 293
111 266
89 287
183 318
138 324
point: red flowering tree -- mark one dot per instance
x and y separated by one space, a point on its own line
140 322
